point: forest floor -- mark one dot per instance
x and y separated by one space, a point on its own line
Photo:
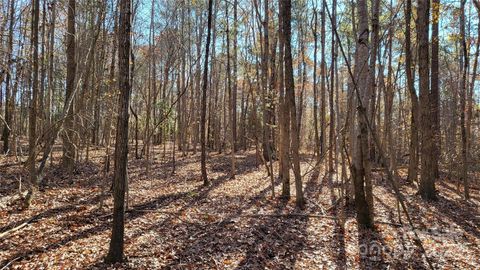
173 222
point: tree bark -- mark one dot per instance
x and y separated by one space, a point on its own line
413 147
322 84
115 252
463 91
32 123
68 136
284 116
9 98
315 88
427 150
361 167
435 91
204 99
286 11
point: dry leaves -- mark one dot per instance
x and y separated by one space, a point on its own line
173 222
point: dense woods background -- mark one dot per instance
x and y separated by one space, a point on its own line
243 134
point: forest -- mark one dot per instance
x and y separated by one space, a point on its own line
239 134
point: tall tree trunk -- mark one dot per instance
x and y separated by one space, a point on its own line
361 167
434 91
9 98
388 104
322 84
266 101
204 98
115 252
427 150
231 100
463 91
68 136
331 134
51 84
372 75
286 11
470 101
32 123
41 102
315 88
413 147
235 85
284 116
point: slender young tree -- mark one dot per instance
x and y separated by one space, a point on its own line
463 92
434 85
32 123
331 133
235 87
230 94
315 87
470 98
375 10
286 12
323 103
413 147
115 252
9 98
51 60
284 116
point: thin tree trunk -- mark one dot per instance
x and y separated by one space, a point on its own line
463 90
331 134
322 85
286 11
315 88
231 100
284 115
435 91
372 75
413 148
204 98
9 98
32 125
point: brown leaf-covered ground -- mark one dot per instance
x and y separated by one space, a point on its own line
173 222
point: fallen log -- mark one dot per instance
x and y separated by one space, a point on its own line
16 228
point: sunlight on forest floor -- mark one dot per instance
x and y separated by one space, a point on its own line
173 222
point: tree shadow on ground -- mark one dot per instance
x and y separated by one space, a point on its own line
461 213
201 229
135 212
261 239
339 226
103 224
